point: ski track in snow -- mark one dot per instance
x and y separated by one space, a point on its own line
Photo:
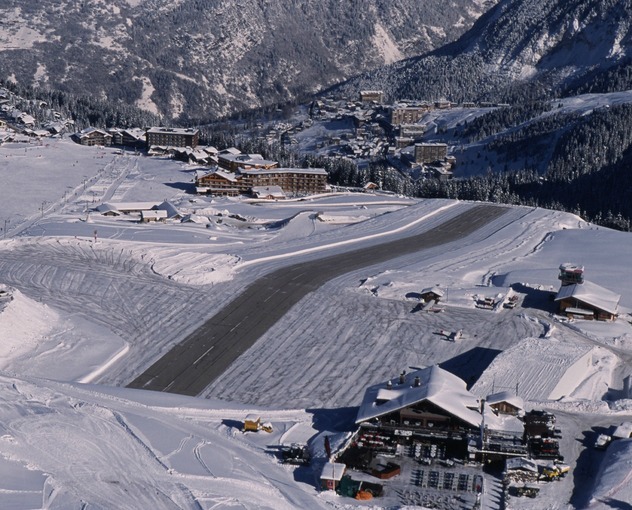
65 430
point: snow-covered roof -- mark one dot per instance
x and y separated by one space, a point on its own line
26 119
506 423
623 431
246 159
333 471
307 171
127 206
106 208
434 290
591 294
274 191
137 133
226 175
194 218
169 130
544 368
522 464
436 385
569 267
506 396
170 209
230 150
199 154
229 176
154 215
92 130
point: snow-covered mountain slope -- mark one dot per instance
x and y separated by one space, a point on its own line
207 59
558 45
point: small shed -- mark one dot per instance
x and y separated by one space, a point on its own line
108 210
153 215
506 402
331 475
431 294
623 431
268 192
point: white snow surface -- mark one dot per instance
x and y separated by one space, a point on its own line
93 299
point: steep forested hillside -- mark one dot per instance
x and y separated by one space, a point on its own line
522 49
204 59
539 155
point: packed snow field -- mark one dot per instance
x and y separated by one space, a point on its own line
88 301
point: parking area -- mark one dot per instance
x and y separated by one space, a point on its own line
426 477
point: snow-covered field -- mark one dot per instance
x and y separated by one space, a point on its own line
88 301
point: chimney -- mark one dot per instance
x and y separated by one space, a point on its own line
402 377
417 382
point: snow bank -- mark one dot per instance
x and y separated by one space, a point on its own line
24 324
613 484
549 369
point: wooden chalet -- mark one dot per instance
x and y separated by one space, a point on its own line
220 183
270 183
134 138
588 301
428 401
431 294
93 136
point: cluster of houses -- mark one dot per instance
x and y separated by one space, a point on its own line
427 426
372 129
231 173
376 130
16 125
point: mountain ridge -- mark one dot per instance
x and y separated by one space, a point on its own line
199 60
556 47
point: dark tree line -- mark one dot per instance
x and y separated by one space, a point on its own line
84 111
585 169
501 119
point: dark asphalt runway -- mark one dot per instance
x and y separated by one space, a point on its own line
205 354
